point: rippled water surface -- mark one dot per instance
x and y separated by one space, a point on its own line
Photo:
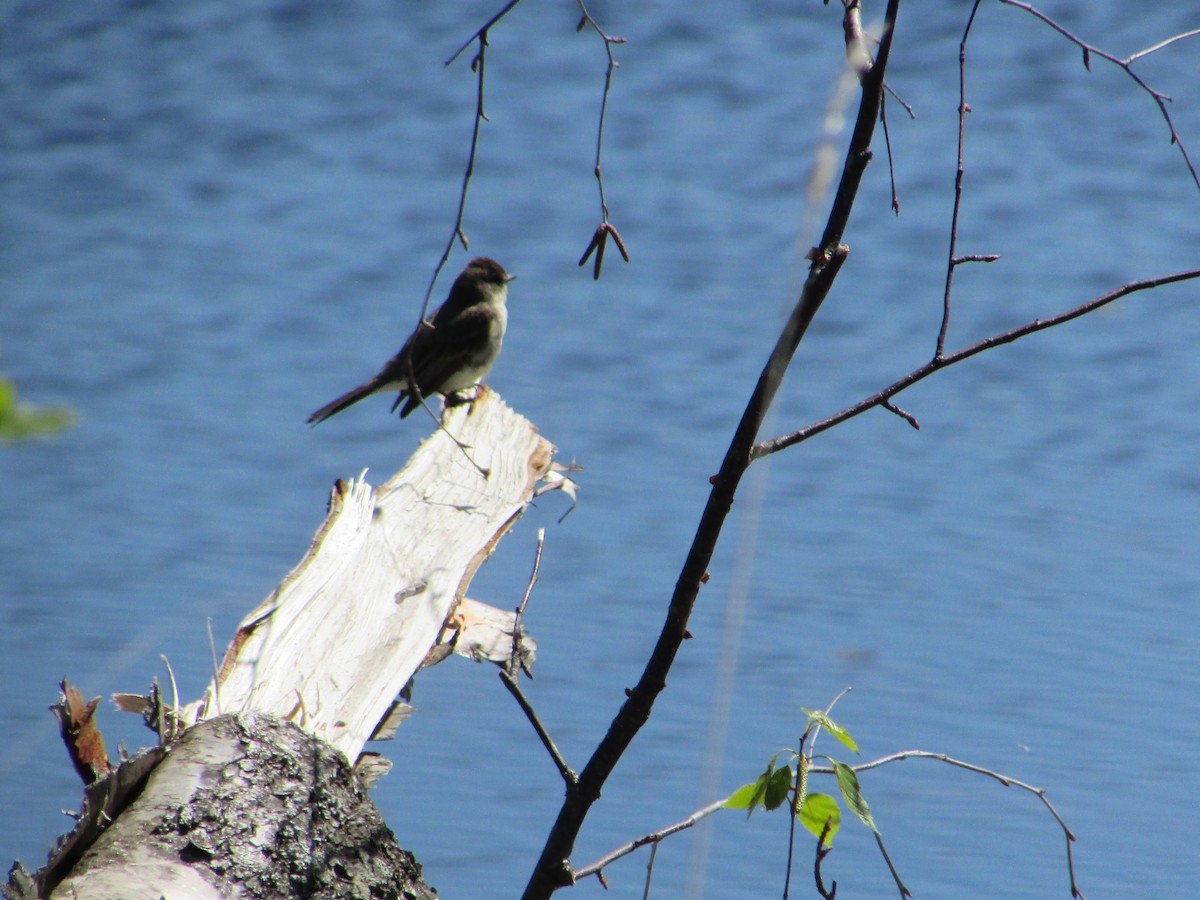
214 217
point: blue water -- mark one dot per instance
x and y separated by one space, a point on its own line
214 217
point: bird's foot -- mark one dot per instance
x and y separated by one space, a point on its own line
466 395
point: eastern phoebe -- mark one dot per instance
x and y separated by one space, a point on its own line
450 351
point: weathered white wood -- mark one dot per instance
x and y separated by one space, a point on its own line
336 642
484 633
377 595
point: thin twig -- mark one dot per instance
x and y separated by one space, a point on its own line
887 143
858 57
904 891
963 109
813 731
791 847
834 702
774 445
1160 99
465 448
486 473
1006 780
605 228
457 233
653 838
568 774
650 870
906 416
823 851
483 30
800 793
514 661
478 66
800 780
1161 44
907 106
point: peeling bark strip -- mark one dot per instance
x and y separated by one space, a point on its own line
76 723
342 635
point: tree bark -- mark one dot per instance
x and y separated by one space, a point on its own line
246 805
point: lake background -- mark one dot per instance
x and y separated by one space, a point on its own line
215 217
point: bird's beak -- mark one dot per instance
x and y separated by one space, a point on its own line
509 276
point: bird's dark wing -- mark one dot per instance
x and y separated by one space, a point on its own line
441 351
453 345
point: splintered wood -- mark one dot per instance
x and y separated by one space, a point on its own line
340 638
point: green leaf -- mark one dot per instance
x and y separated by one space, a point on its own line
779 786
743 797
816 811
750 796
20 421
848 784
821 718
769 791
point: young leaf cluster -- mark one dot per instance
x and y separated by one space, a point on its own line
817 812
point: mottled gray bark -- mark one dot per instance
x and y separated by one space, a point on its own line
246 806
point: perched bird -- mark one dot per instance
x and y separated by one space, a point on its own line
452 350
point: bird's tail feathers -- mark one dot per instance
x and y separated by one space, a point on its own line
347 399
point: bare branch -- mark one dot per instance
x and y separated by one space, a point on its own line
653 838
478 66
907 417
822 852
482 32
600 237
904 892
887 142
774 445
650 870
1160 45
858 57
963 109
514 663
1005 780
1126 64
907 106
568 774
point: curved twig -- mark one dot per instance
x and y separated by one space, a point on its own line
654 837
1160 99
774 445
1005 780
